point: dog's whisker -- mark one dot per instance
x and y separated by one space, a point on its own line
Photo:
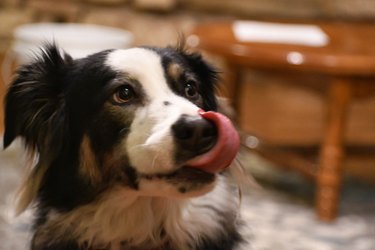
154 160
139 146
124 130
144 145
35 116
240 175
25 83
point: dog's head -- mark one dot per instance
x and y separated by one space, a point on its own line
119 118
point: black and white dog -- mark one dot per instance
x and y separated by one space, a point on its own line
125 156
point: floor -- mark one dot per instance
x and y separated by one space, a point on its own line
280 212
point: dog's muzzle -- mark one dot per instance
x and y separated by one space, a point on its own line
208 142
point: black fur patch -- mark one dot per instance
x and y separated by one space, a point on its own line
61 245
50 104
133 179
224 242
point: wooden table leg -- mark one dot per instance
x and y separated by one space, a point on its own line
329 176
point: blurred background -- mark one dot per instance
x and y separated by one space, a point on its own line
306 111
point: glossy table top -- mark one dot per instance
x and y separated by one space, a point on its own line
350 50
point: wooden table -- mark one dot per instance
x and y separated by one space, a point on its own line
348 58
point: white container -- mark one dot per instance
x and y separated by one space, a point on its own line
78 40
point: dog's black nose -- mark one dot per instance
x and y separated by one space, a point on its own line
195 135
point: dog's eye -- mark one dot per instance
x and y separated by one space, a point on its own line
124 94
191 91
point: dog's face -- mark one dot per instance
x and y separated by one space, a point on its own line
119 118
153 107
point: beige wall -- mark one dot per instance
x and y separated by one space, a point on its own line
158 21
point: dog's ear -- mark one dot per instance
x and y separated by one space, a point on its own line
34 103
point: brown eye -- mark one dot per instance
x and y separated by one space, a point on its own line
191 91
124 94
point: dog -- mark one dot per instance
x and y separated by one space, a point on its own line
129 151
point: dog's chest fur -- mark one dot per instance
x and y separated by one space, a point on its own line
121 219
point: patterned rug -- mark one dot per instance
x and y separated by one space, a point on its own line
280 214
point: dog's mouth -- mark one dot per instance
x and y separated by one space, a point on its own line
185 180
183 175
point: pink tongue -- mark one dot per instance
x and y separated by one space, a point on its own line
226 148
